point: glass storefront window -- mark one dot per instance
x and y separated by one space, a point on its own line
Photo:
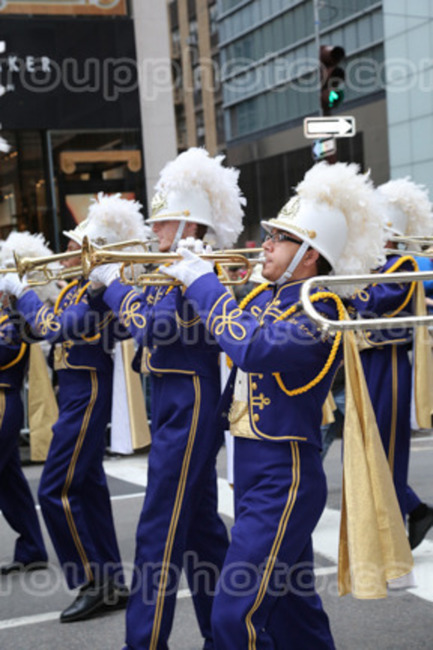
23 204
83 164
86 163
65 7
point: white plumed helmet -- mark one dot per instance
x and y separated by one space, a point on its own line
24 244
197 188
111 219
408 208
336 211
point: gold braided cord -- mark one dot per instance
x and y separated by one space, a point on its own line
341 314
62 294
17 359
21 352
253 294
81 292
395 267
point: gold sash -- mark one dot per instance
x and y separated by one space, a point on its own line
43 411
328 409
140 432
373 545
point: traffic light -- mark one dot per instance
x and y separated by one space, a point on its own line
331 77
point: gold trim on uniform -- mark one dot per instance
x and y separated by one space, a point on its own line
229 320
187 323
47 321
129 312
146 367
2 404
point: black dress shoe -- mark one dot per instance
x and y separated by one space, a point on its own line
118 598
94 599
17 567
420 525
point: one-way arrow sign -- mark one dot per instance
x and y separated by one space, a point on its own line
321 127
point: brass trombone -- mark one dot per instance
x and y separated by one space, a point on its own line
92 256
328 281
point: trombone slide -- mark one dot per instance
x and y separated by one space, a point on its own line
328 281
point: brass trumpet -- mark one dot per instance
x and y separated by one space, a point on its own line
328 325
91 257
48 273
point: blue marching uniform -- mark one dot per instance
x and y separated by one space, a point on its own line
266 596
73 491
387 369
16 501
179 525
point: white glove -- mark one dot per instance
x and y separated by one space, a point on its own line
13 285
190 268
195 245
104 274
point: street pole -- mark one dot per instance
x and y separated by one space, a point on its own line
316 5
331 158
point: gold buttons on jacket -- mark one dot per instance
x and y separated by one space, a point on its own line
256 417
254 386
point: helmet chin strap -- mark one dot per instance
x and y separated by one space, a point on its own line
178 236
293 264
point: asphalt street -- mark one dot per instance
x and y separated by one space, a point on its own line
30 604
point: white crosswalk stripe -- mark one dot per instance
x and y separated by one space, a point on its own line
134 470
325 538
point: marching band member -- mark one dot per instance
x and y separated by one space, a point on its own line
16 501
179 524
73 492
41 401
284 370
385 353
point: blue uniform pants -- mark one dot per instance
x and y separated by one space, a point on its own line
179 526
16 501
73 492
412 500
266 598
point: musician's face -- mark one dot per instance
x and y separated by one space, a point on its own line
72 261
280 252
166 232
278 255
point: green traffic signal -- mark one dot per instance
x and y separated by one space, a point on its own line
332 77
335 98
